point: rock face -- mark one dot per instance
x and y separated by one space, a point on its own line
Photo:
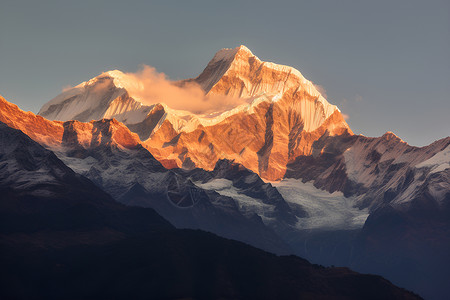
58 135
284 116
38 128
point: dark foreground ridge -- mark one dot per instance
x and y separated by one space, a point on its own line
179 264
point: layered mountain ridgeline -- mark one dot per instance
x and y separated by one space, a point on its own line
61 237
382 171
231 200
285 114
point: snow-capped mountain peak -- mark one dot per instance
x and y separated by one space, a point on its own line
228 54
278 115
102 97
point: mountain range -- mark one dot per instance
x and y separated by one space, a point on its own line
62 237
281 171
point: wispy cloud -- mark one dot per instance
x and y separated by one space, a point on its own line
66 88
150 86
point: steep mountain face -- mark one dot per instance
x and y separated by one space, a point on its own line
29 168
284 116
61 237
99 98
38 128
73 134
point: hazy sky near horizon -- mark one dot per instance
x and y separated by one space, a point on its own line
385 64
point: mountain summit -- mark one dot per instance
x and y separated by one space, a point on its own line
283 115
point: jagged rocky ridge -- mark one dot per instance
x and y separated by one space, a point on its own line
381 171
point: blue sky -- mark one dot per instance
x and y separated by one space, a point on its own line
386 64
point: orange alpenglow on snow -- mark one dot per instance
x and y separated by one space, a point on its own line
56 134
278 115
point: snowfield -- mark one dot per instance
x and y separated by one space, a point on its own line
326 211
